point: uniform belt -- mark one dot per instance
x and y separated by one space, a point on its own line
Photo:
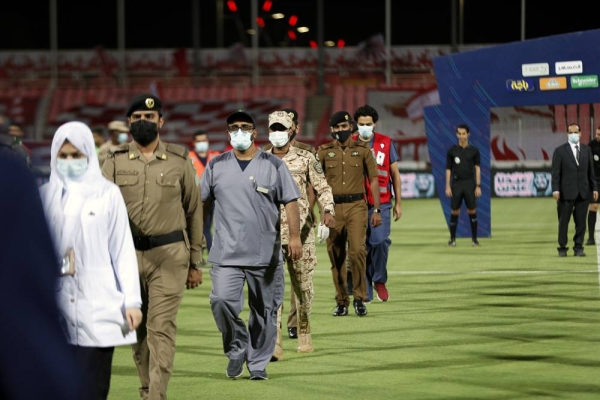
144 243
347 198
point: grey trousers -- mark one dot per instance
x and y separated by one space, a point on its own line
255 342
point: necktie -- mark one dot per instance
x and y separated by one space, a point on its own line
577 153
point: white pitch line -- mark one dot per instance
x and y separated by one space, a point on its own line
503 272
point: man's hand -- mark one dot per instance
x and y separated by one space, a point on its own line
323 233
448 191
295 249
375 219
595 196
328 220
194 278
477 191
134 317
397 211
556 195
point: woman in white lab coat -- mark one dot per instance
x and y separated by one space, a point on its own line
98 292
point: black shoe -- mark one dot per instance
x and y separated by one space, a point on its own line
340 311
590 242
452 243
259 375
578 253
235 368
562 253
476 243
360 308
293 332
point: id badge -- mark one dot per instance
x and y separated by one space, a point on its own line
380 158
68 263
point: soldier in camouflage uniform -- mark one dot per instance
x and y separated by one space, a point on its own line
306 171
292 321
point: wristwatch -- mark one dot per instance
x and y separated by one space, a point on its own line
197 265
377 210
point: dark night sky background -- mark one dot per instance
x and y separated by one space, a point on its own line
167 24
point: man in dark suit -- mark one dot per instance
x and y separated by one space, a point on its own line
35 361
573 179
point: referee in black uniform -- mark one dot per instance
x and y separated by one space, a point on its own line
594 204
463 182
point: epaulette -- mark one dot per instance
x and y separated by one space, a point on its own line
304 146
326 146
120 148
362 144
181 151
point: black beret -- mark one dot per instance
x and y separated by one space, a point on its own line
294 113
145 102
340 116
240 116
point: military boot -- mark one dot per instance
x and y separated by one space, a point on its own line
304 339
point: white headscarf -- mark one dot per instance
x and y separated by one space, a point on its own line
56 193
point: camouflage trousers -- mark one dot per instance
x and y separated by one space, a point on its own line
301 277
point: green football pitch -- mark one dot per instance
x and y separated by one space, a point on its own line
507 320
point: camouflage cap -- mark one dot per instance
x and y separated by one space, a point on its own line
281 117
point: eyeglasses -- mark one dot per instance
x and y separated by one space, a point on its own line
234 128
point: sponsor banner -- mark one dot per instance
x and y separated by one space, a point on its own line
539 69
522 184
416 185
554 83
584 81
568 67
520 85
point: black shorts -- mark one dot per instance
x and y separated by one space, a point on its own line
464 190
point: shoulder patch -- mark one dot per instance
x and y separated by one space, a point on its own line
318 167
177 150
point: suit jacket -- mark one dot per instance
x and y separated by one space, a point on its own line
35 360
571 179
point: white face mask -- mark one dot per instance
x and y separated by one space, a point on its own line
279 138
365 131
574 138
71 168
122 138
241 140
201 147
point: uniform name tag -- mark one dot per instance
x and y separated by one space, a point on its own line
262 190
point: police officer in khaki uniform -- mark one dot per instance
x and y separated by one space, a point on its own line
346 162
292 321
160 188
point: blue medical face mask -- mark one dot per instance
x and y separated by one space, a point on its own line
574 138
71 168
122 138
241 140
201 147
365 131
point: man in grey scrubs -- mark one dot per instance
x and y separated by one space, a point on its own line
247 186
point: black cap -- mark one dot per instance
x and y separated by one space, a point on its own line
340 116
240 116
145 102
294 113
